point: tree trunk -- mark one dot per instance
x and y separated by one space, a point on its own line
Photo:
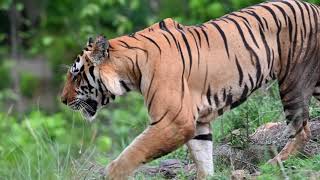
15 41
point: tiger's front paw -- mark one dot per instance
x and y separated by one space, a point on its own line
116 171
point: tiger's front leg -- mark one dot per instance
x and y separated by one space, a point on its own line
162 137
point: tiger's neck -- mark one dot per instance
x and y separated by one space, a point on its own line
125 62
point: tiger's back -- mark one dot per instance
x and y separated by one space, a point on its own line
224 60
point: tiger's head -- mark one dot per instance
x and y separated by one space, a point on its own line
84 89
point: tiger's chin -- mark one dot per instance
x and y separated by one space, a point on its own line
89 112
89 115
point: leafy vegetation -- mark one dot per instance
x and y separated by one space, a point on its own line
47 144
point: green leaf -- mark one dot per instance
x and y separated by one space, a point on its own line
216 10
47 40
5 4
19 6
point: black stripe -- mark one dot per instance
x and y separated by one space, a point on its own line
294 38
82 68
100 87
237 103
224 38
205 35
240 72
132 35
113 96
188 49
90 87
279 51
316 94
293 105
151 100
209 95
279 27
151 40
257 17
242 99
249 30
229 99
251 82
139 71
216 100
266 46
303 18
241 17
163 27
205 78
150 84
204 137
126 45
244 92
175 117
265 22
284 14
133 69
167 39
198 34
124 85
196 46
183 68
258 66
160 119
91 73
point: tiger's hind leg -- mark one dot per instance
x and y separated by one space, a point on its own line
295 104
200 148
293 145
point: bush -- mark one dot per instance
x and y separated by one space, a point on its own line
5 67
28 84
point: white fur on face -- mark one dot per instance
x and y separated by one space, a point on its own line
112 82
76 67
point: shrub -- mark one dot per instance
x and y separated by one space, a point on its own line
28 84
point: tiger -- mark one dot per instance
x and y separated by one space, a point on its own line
189 75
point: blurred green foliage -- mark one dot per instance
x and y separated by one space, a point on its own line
28 84
5 67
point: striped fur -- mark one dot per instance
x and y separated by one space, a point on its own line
190 74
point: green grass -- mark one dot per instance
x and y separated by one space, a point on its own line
294 168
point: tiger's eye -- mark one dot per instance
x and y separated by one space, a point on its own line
74 78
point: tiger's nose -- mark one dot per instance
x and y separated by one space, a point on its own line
64 101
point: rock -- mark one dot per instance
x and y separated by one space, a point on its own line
239 175
167 168
260 145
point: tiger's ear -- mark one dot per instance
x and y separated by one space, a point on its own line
90 41
99 49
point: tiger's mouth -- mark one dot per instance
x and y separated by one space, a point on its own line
88 108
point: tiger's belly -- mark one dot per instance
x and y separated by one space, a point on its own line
212 106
